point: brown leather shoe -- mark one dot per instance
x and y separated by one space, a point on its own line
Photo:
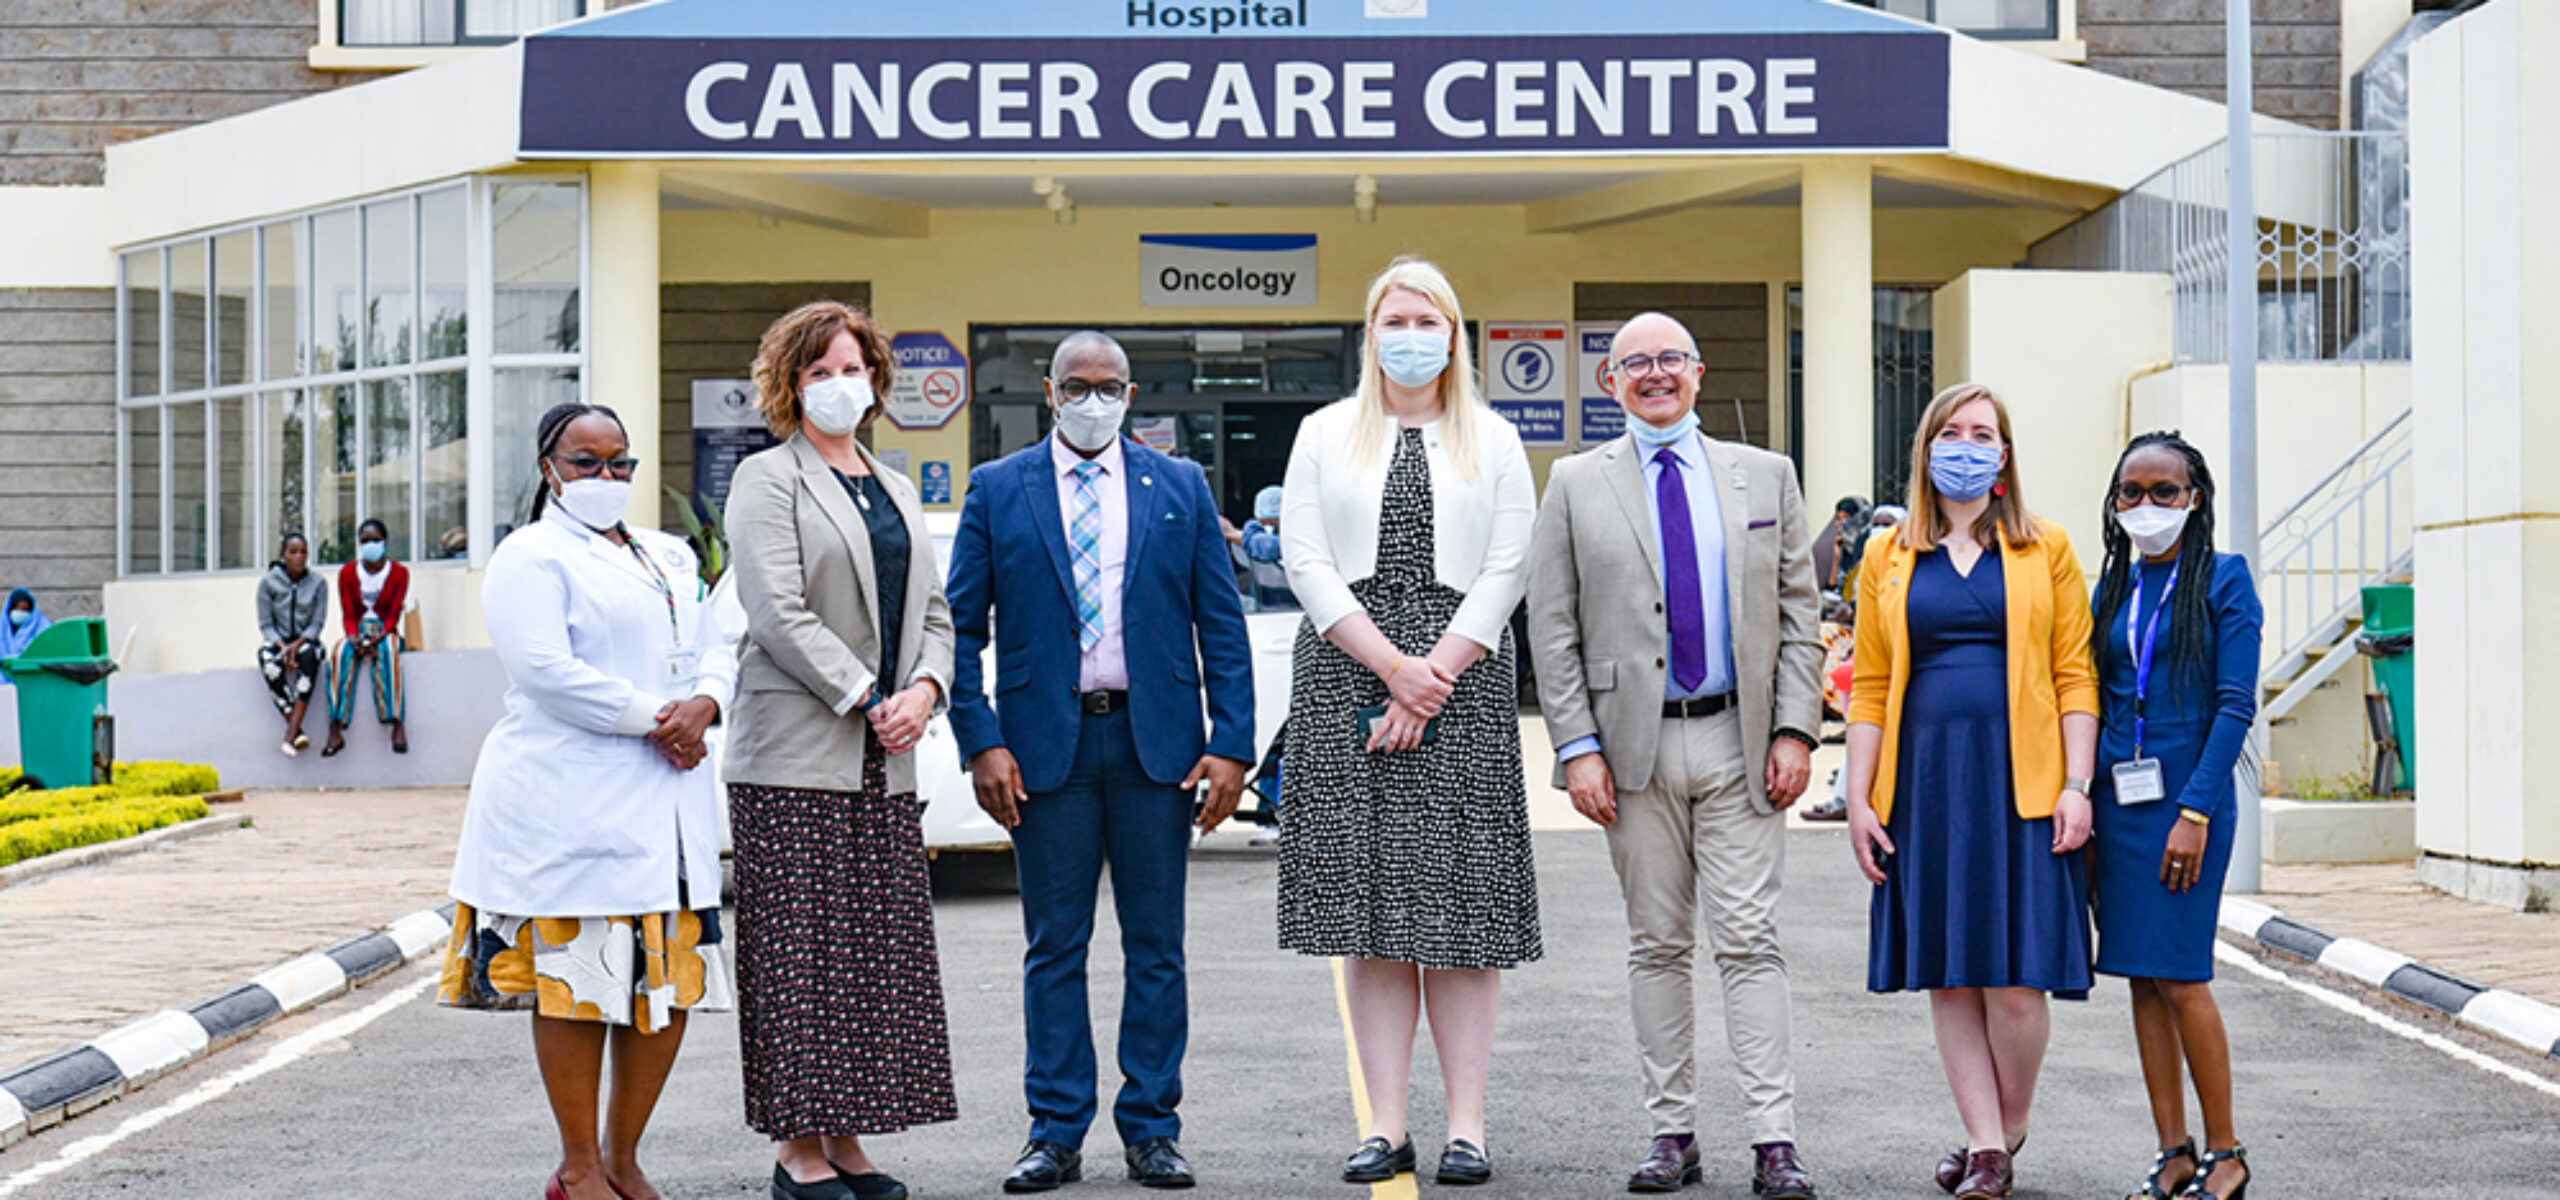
1666 1167
1986 1176
1951 1168
1779 1173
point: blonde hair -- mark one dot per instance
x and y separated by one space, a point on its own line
1926 525
1461 402
801 337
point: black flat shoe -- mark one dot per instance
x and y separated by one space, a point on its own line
1377 1162
1463 1164
1043 1167
1158 1163
872 1185
830 1188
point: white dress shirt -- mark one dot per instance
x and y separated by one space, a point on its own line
1105 667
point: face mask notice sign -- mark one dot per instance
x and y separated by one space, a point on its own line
1525 378
1275 270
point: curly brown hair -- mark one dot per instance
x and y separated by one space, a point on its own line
801 337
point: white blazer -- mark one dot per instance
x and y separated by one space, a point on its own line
1480 527
572 814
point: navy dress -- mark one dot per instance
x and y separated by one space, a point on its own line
1974 895
2196 726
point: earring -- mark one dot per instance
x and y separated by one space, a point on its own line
2000 489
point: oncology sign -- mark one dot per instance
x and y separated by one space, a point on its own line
1156 77
1227 270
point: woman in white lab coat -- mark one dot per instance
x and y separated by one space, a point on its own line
588 878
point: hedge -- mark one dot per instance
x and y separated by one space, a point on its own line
145 796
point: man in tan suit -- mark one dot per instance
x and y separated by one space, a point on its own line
1676 629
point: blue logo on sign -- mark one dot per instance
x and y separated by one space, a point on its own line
1527 367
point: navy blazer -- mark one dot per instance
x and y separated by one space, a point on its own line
1182 617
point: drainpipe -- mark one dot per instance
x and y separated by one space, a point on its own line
2240 241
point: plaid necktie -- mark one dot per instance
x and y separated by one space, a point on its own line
1084 535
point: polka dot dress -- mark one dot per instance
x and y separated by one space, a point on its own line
840 1014
1421 856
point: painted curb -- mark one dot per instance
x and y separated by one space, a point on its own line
51 1090
2516 1019
89 856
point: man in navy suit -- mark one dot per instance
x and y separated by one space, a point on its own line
1103 566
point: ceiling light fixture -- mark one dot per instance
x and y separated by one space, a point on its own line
1364 198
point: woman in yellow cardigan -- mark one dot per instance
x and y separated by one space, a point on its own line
1973 729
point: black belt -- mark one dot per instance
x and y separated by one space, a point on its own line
1102 704
1703 706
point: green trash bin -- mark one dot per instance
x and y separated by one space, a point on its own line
64 733
2390 627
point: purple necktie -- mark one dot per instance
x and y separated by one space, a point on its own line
1680 574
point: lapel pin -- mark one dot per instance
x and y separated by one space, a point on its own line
1148 480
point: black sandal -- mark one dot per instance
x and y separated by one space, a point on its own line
2151 1189
2204 1170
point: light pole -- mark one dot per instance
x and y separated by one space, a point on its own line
2240 237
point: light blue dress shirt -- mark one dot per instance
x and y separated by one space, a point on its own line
1706 521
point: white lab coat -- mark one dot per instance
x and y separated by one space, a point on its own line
572 813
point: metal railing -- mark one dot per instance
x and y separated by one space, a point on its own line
2333 246
2353 528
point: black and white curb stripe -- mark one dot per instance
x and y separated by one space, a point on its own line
2524 1022
49 1091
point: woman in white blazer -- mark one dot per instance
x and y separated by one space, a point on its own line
588 878
1404 828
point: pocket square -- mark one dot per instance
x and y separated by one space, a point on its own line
1764 524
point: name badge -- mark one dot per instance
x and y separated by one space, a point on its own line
681 667
2141 782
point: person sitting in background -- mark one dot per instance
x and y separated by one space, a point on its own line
26 619
1257 549
371 593
293 609
1832 540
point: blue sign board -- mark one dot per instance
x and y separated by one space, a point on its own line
1601 421
936 484
1541 422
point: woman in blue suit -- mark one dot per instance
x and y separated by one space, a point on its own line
2177 634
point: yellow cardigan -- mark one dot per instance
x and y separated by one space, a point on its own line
2050 668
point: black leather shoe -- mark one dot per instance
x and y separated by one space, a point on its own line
1043 1167
830 1188
872 1185
1158 1163
1463 1164
1377 1162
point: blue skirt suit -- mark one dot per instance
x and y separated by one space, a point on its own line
1974 895
2197 725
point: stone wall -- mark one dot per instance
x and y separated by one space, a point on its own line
57 445
2177 44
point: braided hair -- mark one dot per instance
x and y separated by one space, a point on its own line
2188 647
546 441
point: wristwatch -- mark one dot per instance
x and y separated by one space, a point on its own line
2079 785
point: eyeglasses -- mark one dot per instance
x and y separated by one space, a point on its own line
1078 389
588 466
2164 494
1669 362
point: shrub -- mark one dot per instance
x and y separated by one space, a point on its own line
145 796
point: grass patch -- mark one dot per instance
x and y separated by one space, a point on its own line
145 796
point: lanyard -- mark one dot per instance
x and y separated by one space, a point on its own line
675 627
2144 648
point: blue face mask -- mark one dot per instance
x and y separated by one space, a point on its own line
1413 357
19 618
1655 437
1963 471
372 552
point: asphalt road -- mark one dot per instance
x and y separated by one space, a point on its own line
429 1102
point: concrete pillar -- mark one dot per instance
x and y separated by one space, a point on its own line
2487 400
1839 329
622 353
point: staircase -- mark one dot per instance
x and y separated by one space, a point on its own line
2354 528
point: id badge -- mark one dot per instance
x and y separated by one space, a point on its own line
2141 782
681 667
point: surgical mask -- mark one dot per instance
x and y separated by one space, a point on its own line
835 406
2153 529
372 552
1655 437
20 618
594 503
1963 471
1413 357
1090 424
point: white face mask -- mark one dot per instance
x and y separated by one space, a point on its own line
1090 424
2153 529
835 406
594 503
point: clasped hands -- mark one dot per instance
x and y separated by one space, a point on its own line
901 719
681 725
1418 686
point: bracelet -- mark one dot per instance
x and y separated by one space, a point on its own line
867 705
1391 671
2193 817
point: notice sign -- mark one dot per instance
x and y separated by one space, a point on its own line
1596 384
1524 379
936 483
726 429
933 381
1275 270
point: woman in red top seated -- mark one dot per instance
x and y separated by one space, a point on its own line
371 592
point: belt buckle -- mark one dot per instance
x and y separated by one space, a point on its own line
1095 704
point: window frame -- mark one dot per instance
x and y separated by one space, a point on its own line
330 52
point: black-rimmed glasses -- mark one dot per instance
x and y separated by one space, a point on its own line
2164 494
1108 389
588 466
1669 362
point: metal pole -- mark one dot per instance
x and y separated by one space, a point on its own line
2241 309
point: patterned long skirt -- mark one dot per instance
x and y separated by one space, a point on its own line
635 971
840 1009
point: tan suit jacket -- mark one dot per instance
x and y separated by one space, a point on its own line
808 583
1597 630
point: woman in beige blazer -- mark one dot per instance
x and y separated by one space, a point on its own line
847 659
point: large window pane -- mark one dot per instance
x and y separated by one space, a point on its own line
534 263
236 496
489 19
444 263
395 22
189 532
444 466
286 332
522 397
284 492
390 271
389 469
235 285
142 323
187 280
142 491
335 306
333 499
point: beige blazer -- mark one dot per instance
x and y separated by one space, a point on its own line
1596 626
806 579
